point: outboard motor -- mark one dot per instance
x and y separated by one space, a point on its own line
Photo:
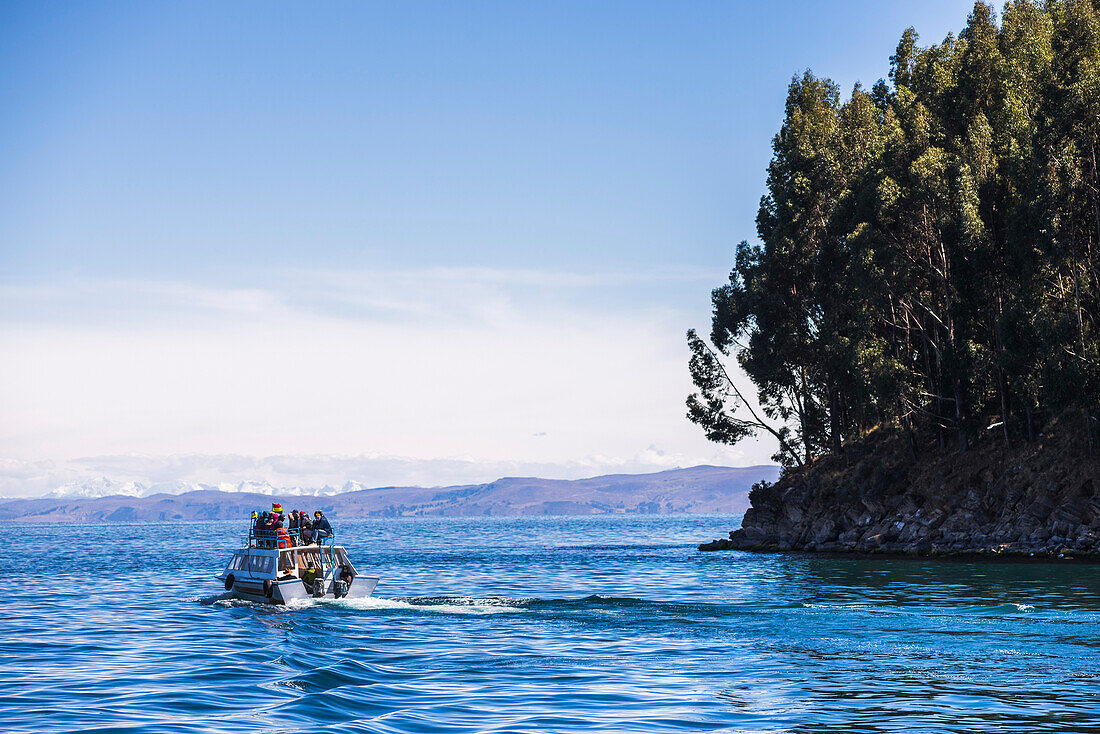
318 588
339 588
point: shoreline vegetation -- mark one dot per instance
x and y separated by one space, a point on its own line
921 318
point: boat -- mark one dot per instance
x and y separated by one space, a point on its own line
270 568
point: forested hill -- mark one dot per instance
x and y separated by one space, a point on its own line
929 251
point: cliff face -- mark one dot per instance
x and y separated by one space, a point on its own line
1041 498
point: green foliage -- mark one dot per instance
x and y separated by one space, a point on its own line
758 491
929 252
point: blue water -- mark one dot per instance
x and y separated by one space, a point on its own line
549 625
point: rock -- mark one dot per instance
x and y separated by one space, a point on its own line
1038 498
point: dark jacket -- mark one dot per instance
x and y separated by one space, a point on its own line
322 524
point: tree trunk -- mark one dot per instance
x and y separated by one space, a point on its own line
1088 430
1004 406
959 415
907 421
834 419
1001 375
803 418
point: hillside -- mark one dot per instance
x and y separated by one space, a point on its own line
1041 498
697 489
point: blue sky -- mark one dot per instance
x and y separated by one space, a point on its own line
553 182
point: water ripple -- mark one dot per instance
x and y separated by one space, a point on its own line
550 625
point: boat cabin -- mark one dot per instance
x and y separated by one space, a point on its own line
262 563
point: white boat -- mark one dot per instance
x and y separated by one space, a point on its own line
262 571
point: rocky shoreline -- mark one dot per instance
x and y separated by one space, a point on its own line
1041 500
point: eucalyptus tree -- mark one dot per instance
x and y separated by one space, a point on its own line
929 252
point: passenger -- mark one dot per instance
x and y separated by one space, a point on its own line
305 527
346 575
281 535
271 529
310 576
260 530
321 527
288 573
292 526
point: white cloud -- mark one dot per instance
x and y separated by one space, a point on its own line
417 365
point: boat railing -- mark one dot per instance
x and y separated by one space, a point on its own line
267 538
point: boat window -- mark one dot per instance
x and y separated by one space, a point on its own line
235 562
261 564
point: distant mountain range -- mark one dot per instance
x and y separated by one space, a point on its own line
104 487
697 489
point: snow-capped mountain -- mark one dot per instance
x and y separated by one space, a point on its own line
101 487
105 487
695 489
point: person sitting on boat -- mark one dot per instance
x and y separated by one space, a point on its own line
293 525
311 575
262 530
346 575
305 527
273 528
282 537
321 527
288 573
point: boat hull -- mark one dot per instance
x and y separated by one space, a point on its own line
284 592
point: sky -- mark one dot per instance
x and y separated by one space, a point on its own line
392 243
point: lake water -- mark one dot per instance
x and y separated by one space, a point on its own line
540 624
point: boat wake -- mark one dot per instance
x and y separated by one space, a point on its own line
428 604
597 605
439 604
